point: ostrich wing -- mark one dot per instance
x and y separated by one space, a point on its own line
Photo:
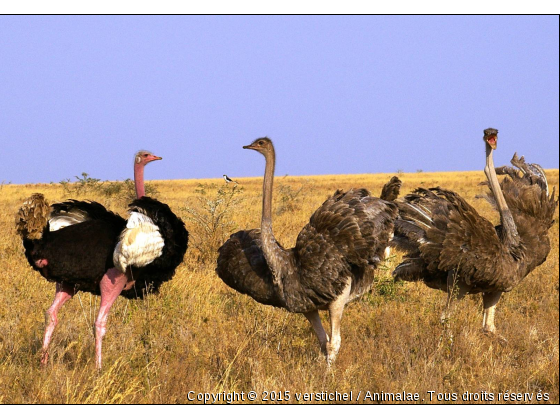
72 212
348 232
527 196
450 235
532 209
140 243
152 245
243 267
357 225
532 172
77 244
530 202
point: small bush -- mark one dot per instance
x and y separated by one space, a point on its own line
290 198
83 185
211 216
125 190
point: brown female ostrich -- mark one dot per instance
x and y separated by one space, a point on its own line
450 246
331 264
81 246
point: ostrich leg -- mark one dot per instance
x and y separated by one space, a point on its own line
111 286
315 320
64 292
336 308
490 301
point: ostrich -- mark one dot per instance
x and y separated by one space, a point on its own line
331 264
452 248
81 246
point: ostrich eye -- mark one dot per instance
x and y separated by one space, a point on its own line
261 143
145 155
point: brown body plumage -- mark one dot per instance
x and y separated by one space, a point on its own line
332 262
452 248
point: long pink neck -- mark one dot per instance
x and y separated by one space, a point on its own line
139 180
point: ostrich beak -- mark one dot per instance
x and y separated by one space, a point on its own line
250 146
155 158
491 137
492 142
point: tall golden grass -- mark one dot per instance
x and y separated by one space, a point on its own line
199 336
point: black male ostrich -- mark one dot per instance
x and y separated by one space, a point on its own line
450 246
81 246
331 264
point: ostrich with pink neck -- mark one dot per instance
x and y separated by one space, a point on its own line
74 243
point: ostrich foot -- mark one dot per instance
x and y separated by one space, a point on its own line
332 351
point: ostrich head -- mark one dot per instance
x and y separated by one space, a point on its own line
143 157
262 145
491 137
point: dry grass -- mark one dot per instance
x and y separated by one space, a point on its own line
199 335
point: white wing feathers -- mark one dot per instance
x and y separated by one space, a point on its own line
67 218
140 243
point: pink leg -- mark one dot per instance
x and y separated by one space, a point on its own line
111 286
64 292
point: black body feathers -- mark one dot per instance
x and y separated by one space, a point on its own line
79 250
176 238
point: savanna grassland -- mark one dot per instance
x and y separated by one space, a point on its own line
199 335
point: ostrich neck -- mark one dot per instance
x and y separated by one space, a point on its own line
273 253
267 189
511 237
139 180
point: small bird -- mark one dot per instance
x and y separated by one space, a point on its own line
229 180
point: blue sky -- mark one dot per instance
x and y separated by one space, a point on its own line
336 94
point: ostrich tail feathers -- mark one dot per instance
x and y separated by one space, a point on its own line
391 189
32 217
